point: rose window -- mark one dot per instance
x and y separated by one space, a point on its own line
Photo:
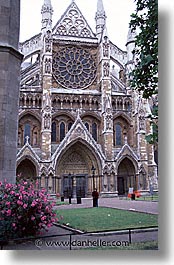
74 67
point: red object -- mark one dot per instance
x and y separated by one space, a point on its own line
137 194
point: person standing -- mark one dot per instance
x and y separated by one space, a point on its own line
95 196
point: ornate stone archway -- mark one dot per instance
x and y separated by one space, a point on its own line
26 170
73 171
126 176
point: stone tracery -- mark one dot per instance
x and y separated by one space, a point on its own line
74 67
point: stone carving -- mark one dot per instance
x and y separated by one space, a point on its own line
74 24
47 121
105 48
48 41
142 121
74 67
106 68
48 66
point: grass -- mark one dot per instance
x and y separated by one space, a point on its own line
61 203
148 198
149 245
142 198
105 219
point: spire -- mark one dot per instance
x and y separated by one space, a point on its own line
47 12
130 44
100 18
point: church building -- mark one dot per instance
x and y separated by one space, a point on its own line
80 124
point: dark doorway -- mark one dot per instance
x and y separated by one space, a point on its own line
26 170
126 176
121 188
81 186
74 182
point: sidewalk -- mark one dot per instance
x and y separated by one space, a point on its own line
139 206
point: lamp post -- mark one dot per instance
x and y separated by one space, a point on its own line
69 187
93 175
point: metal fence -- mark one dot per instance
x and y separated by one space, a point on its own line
38 241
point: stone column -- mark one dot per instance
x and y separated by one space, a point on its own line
10 61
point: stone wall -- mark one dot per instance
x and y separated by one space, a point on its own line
10 60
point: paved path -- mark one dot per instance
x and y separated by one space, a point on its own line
140 206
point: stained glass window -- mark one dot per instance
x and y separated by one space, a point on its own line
94 131
62 131
74 67
53 132
27 131
118 134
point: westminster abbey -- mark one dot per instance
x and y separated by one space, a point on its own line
80 125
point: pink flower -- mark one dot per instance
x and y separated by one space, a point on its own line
43 218
33 203
8 212
32 218
19 202
13 224
8 203
25 206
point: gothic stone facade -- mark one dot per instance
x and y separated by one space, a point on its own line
77 112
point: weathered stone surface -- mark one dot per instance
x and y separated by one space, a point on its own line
10 60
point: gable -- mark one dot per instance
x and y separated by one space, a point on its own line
126 151
72 23
78 132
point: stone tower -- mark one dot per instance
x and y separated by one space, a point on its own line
10 60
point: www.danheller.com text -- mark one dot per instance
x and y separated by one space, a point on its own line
80 243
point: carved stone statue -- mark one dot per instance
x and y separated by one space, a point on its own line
106 67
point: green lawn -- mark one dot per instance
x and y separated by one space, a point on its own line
149 245
104 219
142 198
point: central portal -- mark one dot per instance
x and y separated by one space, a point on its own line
74 174
74 186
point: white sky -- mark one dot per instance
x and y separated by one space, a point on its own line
117 11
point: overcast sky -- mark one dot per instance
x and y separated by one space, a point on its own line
118 16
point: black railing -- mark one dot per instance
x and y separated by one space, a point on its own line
125 231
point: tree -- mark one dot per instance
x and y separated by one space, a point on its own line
144 77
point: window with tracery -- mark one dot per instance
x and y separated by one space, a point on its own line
62 131
53 132
118 136
94 131
27 132
74 67
92 126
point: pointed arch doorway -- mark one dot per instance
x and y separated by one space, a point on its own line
26 170
74 173
126 176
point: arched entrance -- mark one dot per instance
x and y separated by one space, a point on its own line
74 172
26 170
126 176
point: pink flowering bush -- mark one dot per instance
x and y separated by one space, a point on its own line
24 210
